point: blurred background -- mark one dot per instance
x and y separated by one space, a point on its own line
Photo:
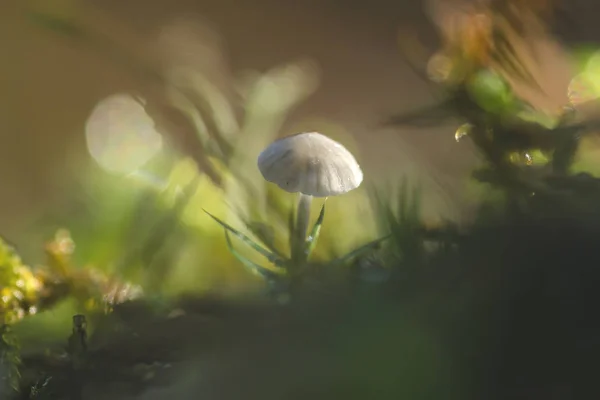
54 162
50 83
101 134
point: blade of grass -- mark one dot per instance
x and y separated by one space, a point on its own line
251 265
179 100
403 203
383 211
147 246
273 258
170 221
311 241
217 105
265 234
359 251
414 208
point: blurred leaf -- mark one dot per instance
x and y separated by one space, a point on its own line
401 216
529 114
150 241
209 109
220 109
182 103
491 92
373 245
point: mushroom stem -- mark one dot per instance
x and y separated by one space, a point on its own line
302 220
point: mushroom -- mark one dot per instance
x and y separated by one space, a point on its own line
312 165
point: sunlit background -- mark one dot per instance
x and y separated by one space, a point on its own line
62 81
364 77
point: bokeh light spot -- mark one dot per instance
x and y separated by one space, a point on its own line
120 135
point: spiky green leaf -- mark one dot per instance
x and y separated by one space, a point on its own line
311 241
273 258
266 234
251 265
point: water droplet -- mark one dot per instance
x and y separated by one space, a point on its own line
462 131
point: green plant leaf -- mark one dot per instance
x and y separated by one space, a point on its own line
311 241
251 265
273 258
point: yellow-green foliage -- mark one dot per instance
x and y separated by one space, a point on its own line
19 287
24 291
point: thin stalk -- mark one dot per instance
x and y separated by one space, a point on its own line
299 254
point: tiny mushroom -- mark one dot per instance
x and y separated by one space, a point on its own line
312 165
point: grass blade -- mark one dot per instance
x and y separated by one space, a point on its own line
146 247
359 251
266 234
264 252
251 265
311 241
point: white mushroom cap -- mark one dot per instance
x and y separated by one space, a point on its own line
310 163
